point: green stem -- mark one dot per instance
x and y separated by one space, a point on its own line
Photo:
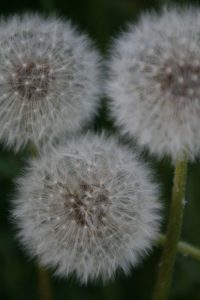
163 284
184 248
44 282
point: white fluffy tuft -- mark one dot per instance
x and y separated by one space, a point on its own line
89 207
49 79
154 82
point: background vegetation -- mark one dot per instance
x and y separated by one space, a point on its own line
102 19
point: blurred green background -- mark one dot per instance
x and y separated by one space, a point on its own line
102 19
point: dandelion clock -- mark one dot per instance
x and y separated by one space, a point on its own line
49 79
89 207
154 82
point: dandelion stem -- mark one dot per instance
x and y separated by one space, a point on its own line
163 284
183 248
44 284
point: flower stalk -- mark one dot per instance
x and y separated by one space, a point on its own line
183 248
44 284
163 284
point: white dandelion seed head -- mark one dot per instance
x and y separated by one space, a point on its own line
89 208
49 79
154 82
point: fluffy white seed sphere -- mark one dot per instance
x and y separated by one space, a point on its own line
154 82
49 79
89 207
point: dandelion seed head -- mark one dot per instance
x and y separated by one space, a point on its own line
90 223
49 79
154 82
